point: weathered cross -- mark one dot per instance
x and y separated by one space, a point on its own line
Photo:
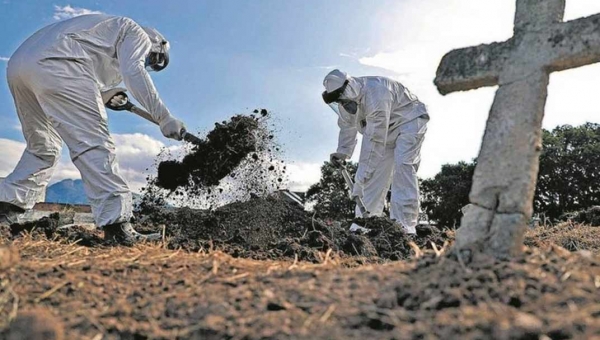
507 166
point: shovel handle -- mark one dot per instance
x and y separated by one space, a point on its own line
188 137
359 202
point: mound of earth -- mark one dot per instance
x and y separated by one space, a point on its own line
261 228
275 228
50 227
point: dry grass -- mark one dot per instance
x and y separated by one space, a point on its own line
571 236
88 288
103 292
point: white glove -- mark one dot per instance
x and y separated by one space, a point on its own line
110 97
337 159
172 127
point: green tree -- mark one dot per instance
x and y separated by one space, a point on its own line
443 196
330 194
569 177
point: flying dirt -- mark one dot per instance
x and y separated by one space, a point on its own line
236 159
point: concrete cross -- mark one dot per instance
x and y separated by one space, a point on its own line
507 166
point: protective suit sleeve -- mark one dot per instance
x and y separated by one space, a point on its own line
347 137
132 53
378 122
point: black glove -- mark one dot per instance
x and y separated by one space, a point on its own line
338 159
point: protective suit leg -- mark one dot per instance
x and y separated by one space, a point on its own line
405 185
71 99
376 187
29 179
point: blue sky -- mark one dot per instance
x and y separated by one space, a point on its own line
233 56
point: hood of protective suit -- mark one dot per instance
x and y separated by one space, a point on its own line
336 79
159 42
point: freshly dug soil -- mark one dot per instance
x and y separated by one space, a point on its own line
215 157
275 228
260 228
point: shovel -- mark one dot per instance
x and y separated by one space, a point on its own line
129 106
359 202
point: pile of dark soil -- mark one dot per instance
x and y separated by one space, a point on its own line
260 228
50 228
275 228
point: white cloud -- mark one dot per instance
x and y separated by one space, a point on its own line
458 120
135 152
11 153
303 175
67 12
5 59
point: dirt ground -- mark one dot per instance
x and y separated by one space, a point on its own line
64 290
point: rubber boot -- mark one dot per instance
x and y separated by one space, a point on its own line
124 234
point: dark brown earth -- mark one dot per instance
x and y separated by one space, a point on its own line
149 291
262 228
215 157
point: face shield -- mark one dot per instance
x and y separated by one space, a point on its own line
344 107
339 105
158 61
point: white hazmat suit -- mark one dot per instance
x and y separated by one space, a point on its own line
56 78
393 123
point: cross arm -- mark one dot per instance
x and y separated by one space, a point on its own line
472 67
575 43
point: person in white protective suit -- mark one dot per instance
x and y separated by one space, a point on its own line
393 123
57 77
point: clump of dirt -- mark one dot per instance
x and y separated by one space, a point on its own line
238 158
275 228
45 226
538 295
214 157
50 228
393 243
36 324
